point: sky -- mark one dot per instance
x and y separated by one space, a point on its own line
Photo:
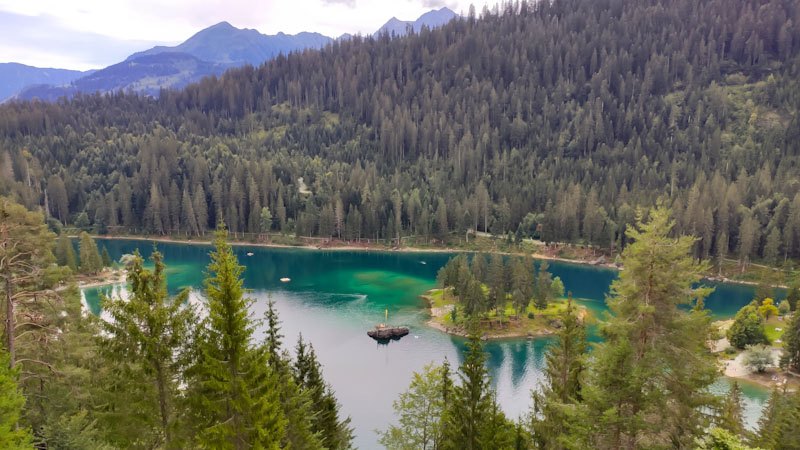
91 34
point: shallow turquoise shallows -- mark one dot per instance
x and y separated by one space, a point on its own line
334 297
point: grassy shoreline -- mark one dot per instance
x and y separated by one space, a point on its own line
544 322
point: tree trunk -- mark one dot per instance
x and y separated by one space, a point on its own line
162 401
10 320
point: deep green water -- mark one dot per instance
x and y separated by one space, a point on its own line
334 297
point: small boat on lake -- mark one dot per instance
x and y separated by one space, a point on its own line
384 332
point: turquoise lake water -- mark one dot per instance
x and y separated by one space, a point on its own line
334 297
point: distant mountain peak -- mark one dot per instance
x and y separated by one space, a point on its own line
431 19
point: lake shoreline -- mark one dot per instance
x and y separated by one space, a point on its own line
405 249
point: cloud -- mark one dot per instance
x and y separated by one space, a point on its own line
42 41
348 3
437 4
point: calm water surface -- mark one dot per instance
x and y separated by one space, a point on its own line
334 297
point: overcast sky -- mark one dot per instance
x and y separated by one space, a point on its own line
91 34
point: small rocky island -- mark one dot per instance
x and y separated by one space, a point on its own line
383 332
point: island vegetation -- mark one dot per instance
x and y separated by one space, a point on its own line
503 298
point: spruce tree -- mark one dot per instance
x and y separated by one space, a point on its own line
90 259
334 432
472 419
233 391
649 379
791 344
65 253
730 414
296 403
105 257
145 334
544 287
12 435
554 407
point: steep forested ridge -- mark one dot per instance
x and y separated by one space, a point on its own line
556 119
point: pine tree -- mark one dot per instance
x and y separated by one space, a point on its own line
333 432
91 261
544 287
791 344
297 407
12 435
730 415
105 257
554 408
233 394
769 425
649 379
188 215
472 419
144 335
65 253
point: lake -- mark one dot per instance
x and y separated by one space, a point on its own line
334 297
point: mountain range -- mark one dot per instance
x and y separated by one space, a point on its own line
15 76
210 51
431 19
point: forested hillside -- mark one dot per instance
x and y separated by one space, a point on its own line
554 119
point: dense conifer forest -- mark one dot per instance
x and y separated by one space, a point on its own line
667 130
551 119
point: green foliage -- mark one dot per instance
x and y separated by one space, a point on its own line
791 344
65 253
545 287
553 422
145 334
90 260
265 220
78 432
106 258
720 439
747 328
758 357
730 417
779 426
643 368
419 411
334 433
233 394
538 143
12 436
472 419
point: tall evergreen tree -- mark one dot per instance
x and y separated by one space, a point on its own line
335 433
65 253
790 359
90 259
730 414
146 334
472 419
556 408
649 379
297 407
12 435
233 390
